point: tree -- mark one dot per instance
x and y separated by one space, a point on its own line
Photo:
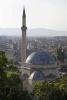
3 65
12 68
52 90
16 62
60 54
10 83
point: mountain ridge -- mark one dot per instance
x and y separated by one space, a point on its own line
32 32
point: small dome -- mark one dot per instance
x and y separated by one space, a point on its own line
51 76
24 76
37 75
40 58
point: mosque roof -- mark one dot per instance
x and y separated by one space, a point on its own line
51 76
40 58
37 75
24 76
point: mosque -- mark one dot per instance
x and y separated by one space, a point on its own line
39 66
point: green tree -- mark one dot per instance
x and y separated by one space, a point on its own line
3 65
53 90
60 54
16 62
11 87
12 68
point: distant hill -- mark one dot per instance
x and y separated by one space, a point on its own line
32 32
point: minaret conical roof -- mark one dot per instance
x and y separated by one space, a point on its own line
24 11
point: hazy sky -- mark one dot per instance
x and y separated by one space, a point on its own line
50 14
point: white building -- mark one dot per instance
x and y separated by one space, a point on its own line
30 47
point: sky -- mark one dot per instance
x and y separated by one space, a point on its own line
48 14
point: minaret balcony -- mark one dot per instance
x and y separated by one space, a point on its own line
24 28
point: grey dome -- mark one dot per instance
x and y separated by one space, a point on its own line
51 76
24 76
37 75
40 58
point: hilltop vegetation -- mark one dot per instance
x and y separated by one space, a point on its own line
53 90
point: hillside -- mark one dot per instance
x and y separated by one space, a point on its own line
32 32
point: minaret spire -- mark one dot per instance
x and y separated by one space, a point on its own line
24 18
24 12
23 28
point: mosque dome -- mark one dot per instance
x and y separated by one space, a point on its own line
51 76
24 76
40 58
37 75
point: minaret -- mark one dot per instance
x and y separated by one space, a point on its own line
23 28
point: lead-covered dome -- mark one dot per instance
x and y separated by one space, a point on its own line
40 58
37 75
